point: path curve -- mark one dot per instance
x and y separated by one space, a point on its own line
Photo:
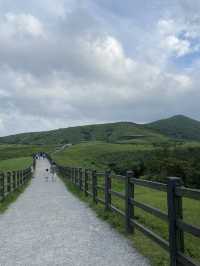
48 226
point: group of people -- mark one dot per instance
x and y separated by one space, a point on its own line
39 155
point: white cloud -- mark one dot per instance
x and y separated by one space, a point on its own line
21 24
177 36
175 45
72 69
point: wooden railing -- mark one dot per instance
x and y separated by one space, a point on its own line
12 180
87 181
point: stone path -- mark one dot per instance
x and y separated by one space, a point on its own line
47 225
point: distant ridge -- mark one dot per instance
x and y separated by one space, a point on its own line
178 127
111 132
175 127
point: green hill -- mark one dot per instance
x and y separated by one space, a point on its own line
178 127
121 132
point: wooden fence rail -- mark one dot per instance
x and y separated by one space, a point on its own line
87 181
12 180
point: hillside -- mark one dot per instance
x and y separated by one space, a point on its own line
114 132
178 127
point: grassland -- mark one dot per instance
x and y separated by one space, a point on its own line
9 151
95 155
15 164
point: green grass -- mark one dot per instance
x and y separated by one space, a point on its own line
15 164
12 197
178 127
9 151
92 154
95 155
145 246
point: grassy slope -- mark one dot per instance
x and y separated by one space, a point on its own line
106 132
15 164
91 154
88 154
180 127
8 151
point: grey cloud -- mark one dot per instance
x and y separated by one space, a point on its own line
83 70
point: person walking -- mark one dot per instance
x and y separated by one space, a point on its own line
47 175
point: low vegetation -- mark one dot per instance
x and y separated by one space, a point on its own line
15 164
156 254
151 161
146 160
9 151
177 127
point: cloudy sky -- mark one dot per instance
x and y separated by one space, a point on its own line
72 62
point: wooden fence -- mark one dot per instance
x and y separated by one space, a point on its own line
88 182
11 180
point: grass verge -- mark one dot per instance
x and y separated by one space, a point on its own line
15 164
146 247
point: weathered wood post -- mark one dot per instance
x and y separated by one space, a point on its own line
2 177
94 186
80 178
73 175
21 177
8 182
14 180
76 176
128 206
175 211
107 192
86 183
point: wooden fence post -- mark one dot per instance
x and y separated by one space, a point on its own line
14 180
18 178
86 183
2 176
80 179
176 237
107 192
8 182
94 186
76 176
21 177
128 205
73 175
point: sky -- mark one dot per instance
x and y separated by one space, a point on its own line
74 62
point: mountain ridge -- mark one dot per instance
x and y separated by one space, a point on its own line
175 127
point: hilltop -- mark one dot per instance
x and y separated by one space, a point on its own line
177 127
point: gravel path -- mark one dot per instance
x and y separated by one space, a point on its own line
47 225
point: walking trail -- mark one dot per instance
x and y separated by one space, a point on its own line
47 225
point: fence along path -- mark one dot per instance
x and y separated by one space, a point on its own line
12 180
99 186
47 225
